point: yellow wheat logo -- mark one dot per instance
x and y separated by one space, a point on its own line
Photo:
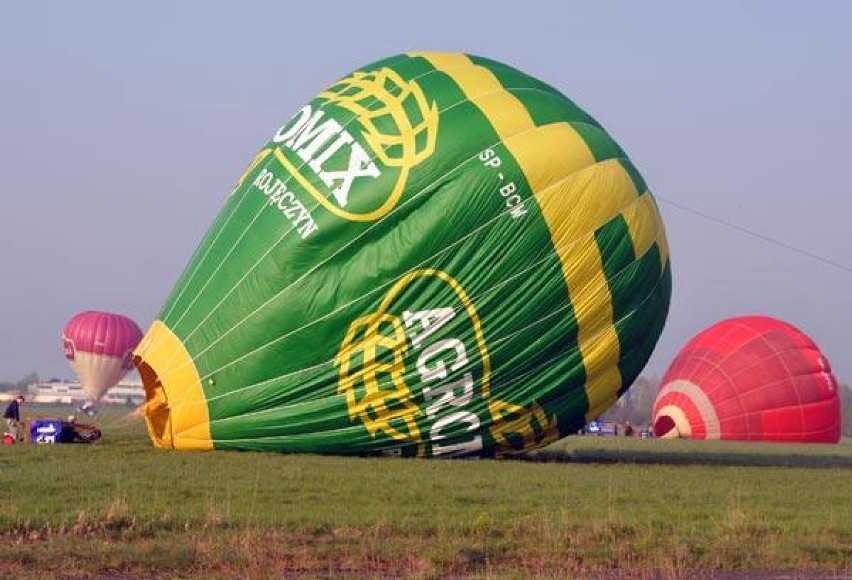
372 366
395 129
372 363
400 125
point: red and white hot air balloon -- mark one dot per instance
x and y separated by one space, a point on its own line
98 346
751 378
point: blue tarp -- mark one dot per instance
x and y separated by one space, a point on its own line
45 430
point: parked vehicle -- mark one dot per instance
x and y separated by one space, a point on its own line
601 428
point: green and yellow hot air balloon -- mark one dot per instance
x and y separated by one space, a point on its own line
437 256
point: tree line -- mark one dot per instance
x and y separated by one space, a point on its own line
19 386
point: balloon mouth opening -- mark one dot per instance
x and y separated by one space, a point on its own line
157 412
663 425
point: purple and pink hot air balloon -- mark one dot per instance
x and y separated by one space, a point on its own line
98 347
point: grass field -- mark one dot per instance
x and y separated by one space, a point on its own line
584 506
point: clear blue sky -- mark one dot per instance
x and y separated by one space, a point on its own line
125 124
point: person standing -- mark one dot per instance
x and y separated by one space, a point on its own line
13 417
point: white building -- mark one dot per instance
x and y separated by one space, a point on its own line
69 392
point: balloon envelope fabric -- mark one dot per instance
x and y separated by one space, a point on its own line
751 378
437 256
98 346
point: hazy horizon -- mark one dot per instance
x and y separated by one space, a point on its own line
126 125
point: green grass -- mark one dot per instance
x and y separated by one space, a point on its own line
583 505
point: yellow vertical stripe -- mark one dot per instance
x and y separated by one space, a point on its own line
576 197
505 112
574 208
646 227
547 155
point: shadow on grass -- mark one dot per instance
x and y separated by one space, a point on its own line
660 457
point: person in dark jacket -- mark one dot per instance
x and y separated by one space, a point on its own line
13 417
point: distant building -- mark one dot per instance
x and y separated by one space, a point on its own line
69 392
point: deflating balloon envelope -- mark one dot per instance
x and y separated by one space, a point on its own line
438 255
749 378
